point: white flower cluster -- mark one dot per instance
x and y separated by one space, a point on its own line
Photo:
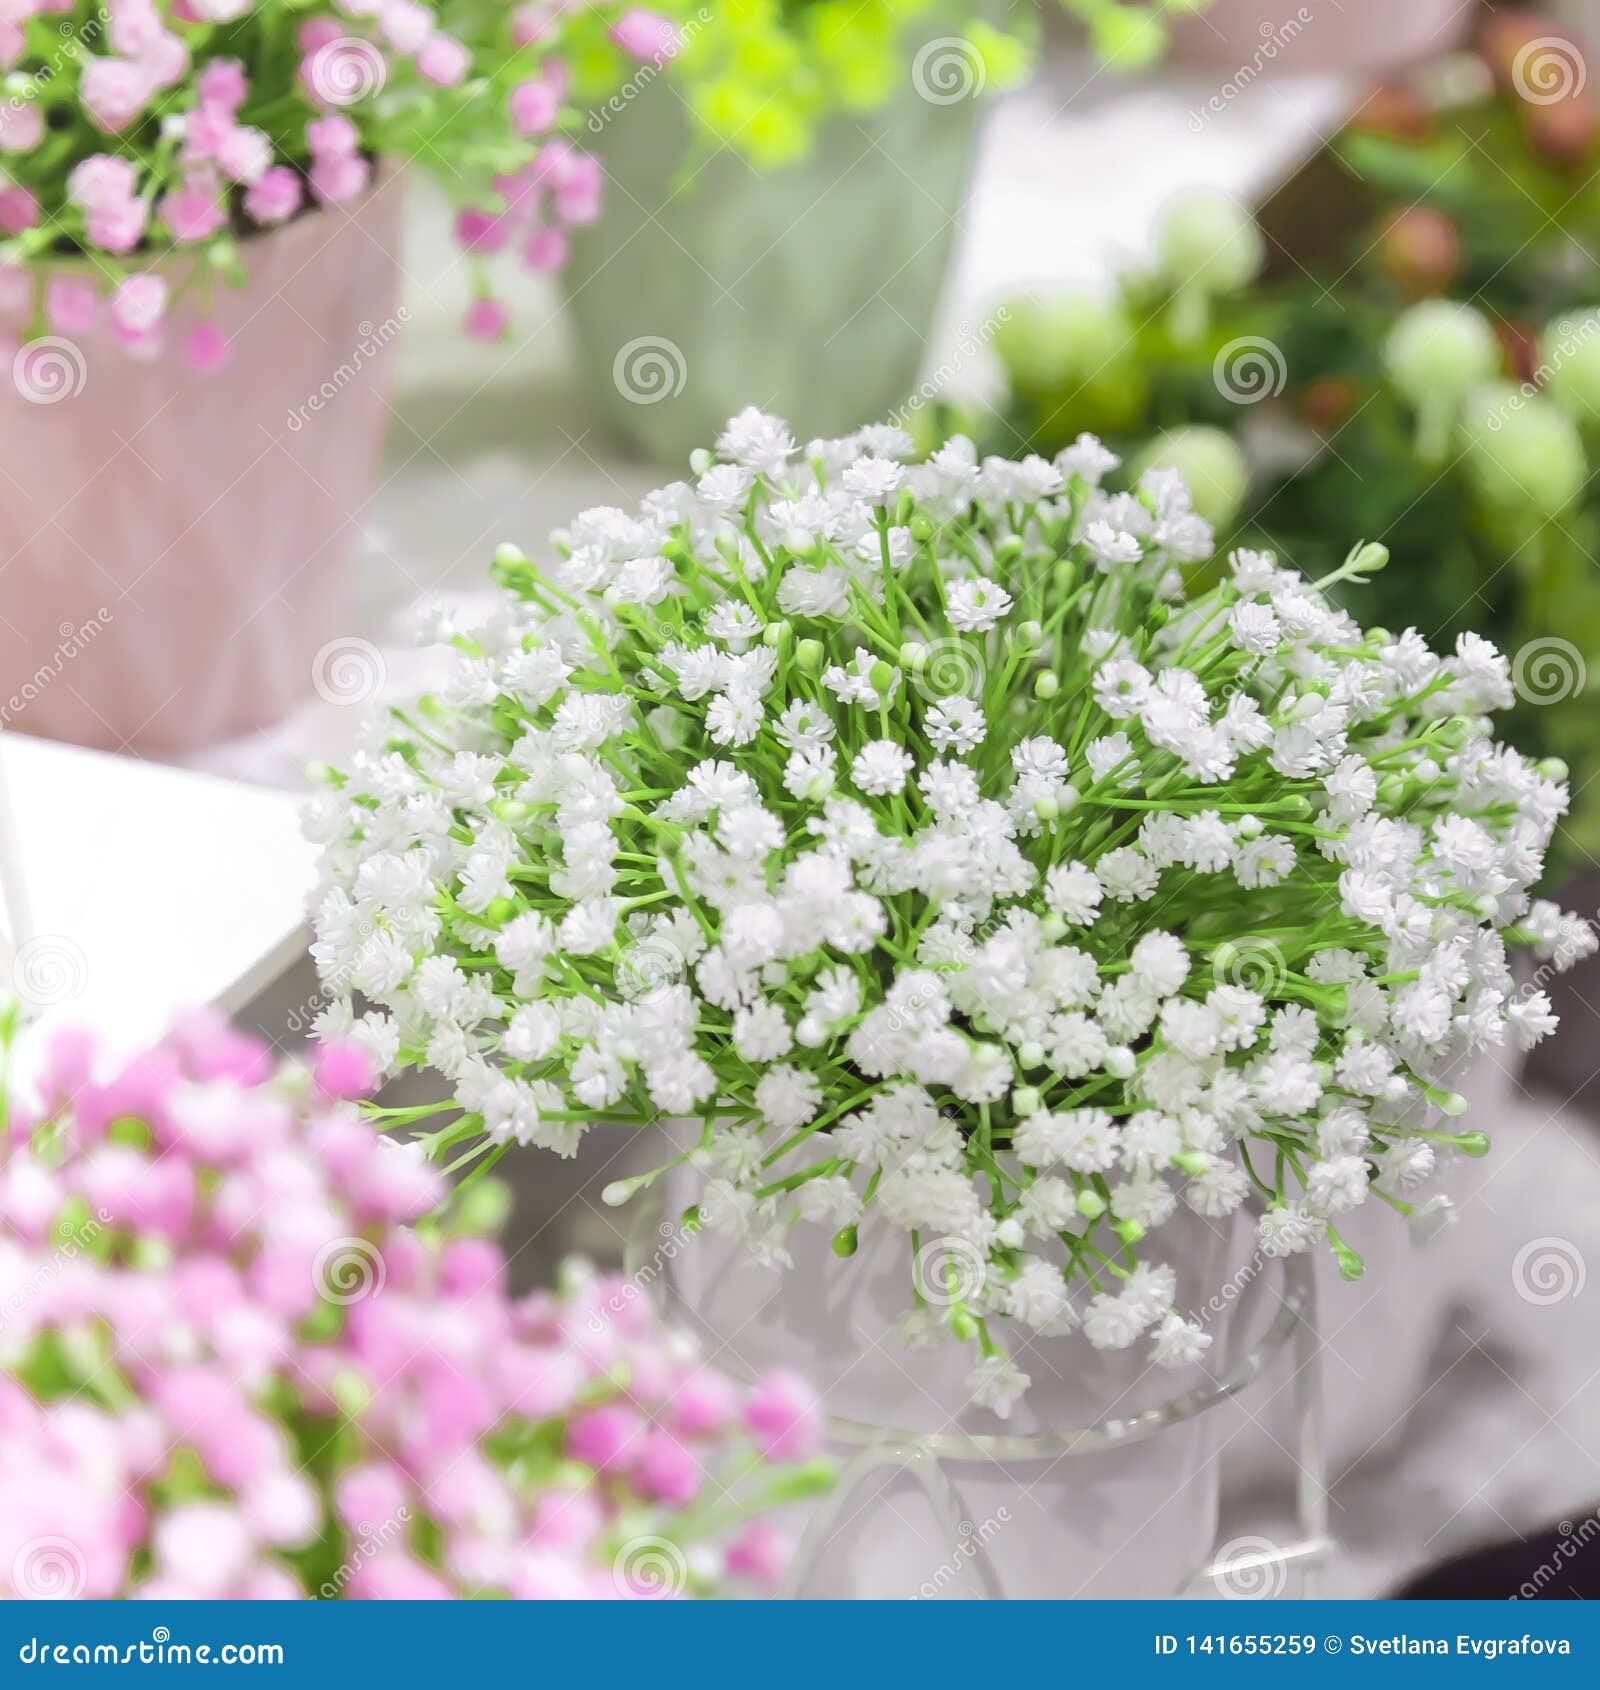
909 827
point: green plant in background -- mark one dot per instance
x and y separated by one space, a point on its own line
1426 374
760 75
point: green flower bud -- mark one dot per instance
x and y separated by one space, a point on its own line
1440 346
1209 242
808 655
1436 353
1091 1205
882 677
845 1241
1045 684
1523 454
1569 356
1051 344
1211 464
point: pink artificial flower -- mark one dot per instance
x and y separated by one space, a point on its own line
274 196
117 227
607 1438
545 250
194 212
646 35
137 305
165 61
101 181
205 349
334 180
578 192
759 1553
70 302
443 61
406 25
205 130
534 106
222 85
332 137
21 126
316 33
486 319
135 26
482 231
115 92
532 23
667 1471
19 210
785 1417
245 154
342 1069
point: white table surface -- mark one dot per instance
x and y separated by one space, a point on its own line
145 889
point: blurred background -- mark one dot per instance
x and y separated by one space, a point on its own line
1019 263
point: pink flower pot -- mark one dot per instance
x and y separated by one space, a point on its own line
1250 38
174 543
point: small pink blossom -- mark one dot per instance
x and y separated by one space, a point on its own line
71 303
545 250
222 85
406 25
786 1418
100 181
274 196
443 60
534 106
646 35
486 319
115 92
21 126
194 212
335 180
19 210
206 348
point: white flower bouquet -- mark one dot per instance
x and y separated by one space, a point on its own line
918 833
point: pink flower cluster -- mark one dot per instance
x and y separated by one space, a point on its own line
228 1358
175 168
558 189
